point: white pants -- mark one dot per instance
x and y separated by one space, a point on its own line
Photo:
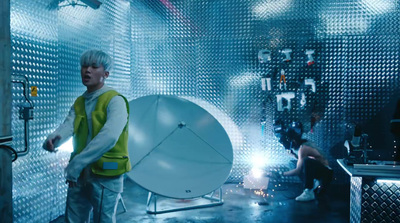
84 198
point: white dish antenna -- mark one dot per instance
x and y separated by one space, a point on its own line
177 149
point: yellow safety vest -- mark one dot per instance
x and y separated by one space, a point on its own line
114 162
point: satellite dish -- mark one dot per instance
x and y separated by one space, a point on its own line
177 149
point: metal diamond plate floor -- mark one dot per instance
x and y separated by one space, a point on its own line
240 205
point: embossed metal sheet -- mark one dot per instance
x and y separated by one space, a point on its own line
354 56
35 56
46 47
380 201
206 50
355 199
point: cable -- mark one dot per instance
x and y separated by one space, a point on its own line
12 150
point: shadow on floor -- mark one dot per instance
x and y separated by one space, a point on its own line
276 205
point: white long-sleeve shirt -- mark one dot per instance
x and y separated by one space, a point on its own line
117 116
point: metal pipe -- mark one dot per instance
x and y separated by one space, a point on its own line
26 140
25 83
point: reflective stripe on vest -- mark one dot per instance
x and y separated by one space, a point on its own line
114 162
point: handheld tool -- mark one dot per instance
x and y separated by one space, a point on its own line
287 52
264 56
310 58
311 82
284 98
283 78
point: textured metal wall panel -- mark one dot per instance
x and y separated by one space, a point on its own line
380 201
355 201
35 55
373 201
83 28
46 46
206 51
355 69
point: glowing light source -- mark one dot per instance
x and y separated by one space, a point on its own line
85 15
244 80
268 9
337 24
388 181
379 6
258 161
257 172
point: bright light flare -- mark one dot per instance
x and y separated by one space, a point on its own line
257 172
258 161
269 9
337 24
379 6
243 80
67 146
388 181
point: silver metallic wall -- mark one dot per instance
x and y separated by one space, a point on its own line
37 184
206 51
373 201
46 46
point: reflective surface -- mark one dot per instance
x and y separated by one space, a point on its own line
240 205
177 148
207 50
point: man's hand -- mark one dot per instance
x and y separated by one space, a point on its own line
51 143
72 172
